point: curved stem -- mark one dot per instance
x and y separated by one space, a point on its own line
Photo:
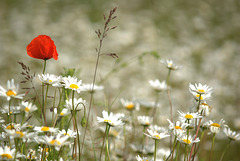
155 150
212 147
226 147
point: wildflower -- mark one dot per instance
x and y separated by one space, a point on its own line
64 112
158 86
130 105
178 129
70 133
142 159
157 128
199 90
110 119
89 87
42 47
78 104
31 155
215 127
155 135
44 129
15 126
56 141
17 133
28 107
204 109
49 79
72 83
145 120
189 140
188 116
6 153
232 135
13 110
170 65
12 91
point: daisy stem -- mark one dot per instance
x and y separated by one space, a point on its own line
103 142
185 154
45 103
178 146
174 145
143 139
107 157
226 147
55 92
155 150
196 149
212 147
9 112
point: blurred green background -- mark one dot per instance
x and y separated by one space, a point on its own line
203 36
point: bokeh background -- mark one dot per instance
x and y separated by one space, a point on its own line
202 36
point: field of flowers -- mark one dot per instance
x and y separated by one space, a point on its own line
119 80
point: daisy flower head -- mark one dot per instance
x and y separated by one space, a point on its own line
28 107
130 105
41 129
64 112
200 91
142 159
157 128
189 140
78 104
170 64
13 110
215 127
145 120
6 153
56 141
49 78
110 119
232 135
90 88
177 128
73 83
155 135
188 116
204 109
15 133
11 91
70 133
157 85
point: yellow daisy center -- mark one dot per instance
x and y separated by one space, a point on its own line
169 64
178 127
130 106
188 116
20 133
147 123
197 95
215 125
157 136
10 127
55 141
10 93
66 134
201 90
45 128
62 113
27 109
74 86
50 81
187 141
8 156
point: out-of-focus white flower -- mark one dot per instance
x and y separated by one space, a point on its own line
28 107
199 90
64 112
143 158
189 140
215 127
178 129
56 141
155 135
14 126
145 120
31 155
45 129
12 91
50 79
130 105
13 110
89 87
232 135
204 109
157 128
70 133
73 83
13 133
110 119
188 116
170 65
78 104
158 86
6 153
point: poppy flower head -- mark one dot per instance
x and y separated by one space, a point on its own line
42 47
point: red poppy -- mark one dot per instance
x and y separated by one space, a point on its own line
42 47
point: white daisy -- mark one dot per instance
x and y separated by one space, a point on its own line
188 116
232 135
88 87
56 141
28 107
31 155
155 135
189 140
142 159
45 129
72 83
110 119
78 104
12 91
70 133
64 112
145 120
215 127
157 128
170 65
204 109
130 105
158 86
49 78
13 133
199 90
6 153
13 110
178 129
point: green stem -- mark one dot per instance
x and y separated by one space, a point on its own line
155 150
107 157
9 112
226 147
212 147
143 139
43 108
185 153
178 147
174 147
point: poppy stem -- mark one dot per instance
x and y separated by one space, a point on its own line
43 107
